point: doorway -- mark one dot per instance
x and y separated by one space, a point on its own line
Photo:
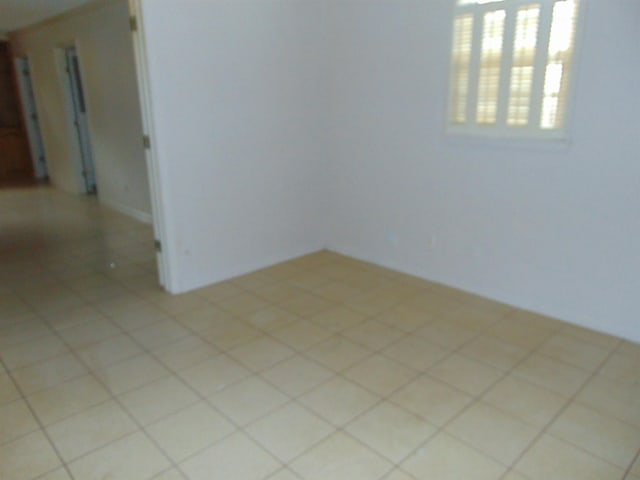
25 85
80 119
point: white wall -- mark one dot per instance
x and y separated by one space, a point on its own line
103 40
555 231
238 93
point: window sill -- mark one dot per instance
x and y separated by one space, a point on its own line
501 141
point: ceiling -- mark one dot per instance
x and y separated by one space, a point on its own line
16 14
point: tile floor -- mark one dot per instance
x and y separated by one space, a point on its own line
322 367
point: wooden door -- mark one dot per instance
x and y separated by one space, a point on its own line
15 158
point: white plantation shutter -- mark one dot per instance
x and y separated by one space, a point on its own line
490 58
556 82
463 31
511 64
524 53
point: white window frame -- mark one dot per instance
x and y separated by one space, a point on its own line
531 134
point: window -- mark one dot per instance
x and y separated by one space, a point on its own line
511 67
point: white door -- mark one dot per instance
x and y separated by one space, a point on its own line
31 112
80 119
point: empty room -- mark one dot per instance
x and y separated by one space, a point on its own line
319 239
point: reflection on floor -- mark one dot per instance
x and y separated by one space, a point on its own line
322 367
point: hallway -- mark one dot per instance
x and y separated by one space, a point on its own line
322 367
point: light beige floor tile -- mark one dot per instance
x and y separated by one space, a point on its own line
373 302
552 374
523 334
398 474
340 457
496 353
8 390
557 460
622 368
406 318
177 304
219 291
204 318
214 375
465 374
158 399
27 457
66 399
446 458
270 318
603 436
242 304
21 332
513 475
261 354
336 291
72 292
48 373
303 429
473 316
432 302
132 373
114 306
526 401
415 352
308 280
236 457
33 351
59 474
16 420
184 353
627 347
297 375
159 334
380 374
75 316
339 400
446 334
616 399
90 429
391 431
373 334
230 334
574 351
172 474
91 331
337 319
338 353
301 335
498 435
190 430
253 280
131 457
138 316
248 400
284 474
591 336
434 401
526 319
279 292
282 271
116 349
306 305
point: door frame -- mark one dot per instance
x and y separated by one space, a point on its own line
31 117
157 184
79 120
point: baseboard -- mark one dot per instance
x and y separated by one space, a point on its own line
143 217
